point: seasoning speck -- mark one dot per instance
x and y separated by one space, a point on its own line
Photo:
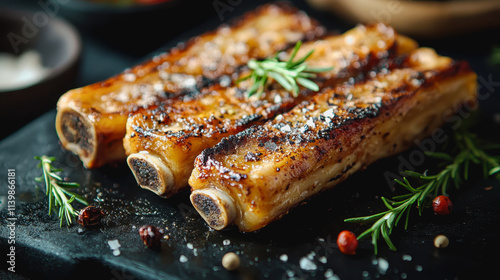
226 242
307 264
329 113
323 259
114 245
310 123
190 246
183 259
407 258
286 128
383 265
284 258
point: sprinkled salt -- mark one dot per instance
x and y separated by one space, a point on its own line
383 265
226 242
290 273
329 113
321 239
278 99
286 128
418 268
307 264
158 87
407 258
129 77
114 244
225 81
311 123
403 275
279 117
311 255
183 259
284 258
323 259
190 246
329 273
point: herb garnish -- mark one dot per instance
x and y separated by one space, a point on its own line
470 150
57 190
288 74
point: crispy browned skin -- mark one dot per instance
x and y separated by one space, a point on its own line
91 120
256 176
164 142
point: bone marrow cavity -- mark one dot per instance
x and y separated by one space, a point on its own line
151 173
216 207
75 129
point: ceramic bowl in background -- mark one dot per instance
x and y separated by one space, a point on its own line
58 45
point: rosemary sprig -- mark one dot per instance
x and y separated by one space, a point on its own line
57 190
470 150
288 74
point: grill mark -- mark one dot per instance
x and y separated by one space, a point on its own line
345 124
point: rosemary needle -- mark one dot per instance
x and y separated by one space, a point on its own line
58 191
289 74
470 151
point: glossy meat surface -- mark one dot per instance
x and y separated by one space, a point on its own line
163 143
256 176
91 120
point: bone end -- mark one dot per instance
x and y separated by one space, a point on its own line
151 173
216 207
77 134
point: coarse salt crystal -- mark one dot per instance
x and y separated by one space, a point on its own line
114 244
311 123
286 128
329 113
383 265
307 264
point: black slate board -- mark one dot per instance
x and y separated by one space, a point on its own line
45 251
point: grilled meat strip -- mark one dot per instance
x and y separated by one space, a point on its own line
91 120
258 175
163 143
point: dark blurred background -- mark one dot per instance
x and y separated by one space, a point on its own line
115 37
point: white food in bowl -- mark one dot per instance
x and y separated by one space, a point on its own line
18 72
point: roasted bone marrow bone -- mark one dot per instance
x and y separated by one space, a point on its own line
255 177
91 120
163 143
